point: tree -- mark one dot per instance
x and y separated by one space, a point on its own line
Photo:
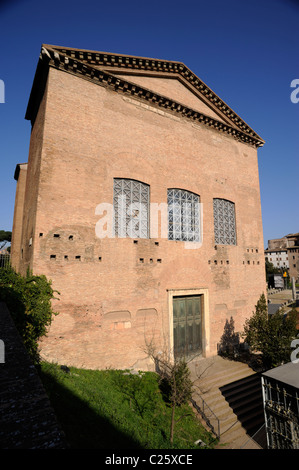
174 378
176 384
28 299
5 237
271 335
270 269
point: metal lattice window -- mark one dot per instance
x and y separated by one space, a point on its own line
131 208
224 222
183 215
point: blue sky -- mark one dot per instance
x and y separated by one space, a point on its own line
247 52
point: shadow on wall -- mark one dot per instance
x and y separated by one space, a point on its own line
229 344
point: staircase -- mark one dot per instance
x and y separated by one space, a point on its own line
232 391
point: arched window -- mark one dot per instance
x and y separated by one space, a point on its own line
183 215
224 222
131 208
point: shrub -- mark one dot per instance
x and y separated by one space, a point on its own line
29 301
271 335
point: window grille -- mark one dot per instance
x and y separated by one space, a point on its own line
224 222
131 208
183 215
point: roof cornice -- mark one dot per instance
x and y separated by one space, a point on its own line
92 66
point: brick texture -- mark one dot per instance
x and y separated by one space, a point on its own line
111 304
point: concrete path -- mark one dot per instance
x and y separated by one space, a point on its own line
209 375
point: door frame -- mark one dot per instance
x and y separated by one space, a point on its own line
205 316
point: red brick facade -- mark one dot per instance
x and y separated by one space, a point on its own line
116 294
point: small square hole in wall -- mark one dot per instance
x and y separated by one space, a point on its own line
227 261
52 256
56 235
41 234
256 250
71 237
159 260
248 262
209 262
135 242
215 261
78 257
157 243
66 257
151 260
141 260
100 258
258 262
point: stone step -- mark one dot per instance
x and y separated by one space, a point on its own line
216 400
221 381
228 383
237 439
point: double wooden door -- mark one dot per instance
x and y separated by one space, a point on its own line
187 326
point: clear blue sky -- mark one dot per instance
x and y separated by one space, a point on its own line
247 52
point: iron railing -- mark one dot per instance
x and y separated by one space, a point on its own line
207 415
4 260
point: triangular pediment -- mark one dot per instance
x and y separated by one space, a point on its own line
167 84
174 89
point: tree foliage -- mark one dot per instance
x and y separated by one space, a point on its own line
29 301
5 237
271 335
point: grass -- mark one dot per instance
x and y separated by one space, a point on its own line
112 409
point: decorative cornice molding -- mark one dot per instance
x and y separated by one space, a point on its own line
90 65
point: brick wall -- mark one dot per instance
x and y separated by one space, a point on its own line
111 303
16 243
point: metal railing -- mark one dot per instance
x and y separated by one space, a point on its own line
259 438
4 260
207 415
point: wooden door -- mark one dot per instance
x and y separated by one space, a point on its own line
187 326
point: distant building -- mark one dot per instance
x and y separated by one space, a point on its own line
284 253
279 258
293 254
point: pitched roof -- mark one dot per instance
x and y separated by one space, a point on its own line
106 69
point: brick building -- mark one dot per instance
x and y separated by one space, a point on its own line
293 255
141 202
284 253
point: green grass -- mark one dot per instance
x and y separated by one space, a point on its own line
111 410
